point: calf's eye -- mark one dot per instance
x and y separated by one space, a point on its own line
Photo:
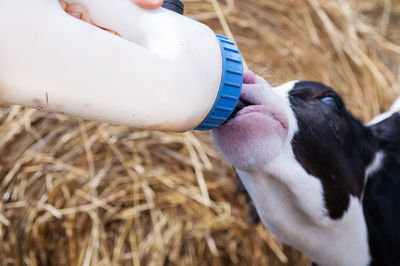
330 101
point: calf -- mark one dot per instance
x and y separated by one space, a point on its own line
320 180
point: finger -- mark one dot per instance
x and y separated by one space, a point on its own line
148 4
63 4
79 11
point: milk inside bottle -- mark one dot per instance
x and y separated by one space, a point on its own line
159 70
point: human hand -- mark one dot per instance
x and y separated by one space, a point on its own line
79 11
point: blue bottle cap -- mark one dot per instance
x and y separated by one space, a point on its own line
230 88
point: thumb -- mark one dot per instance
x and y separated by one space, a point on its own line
148 4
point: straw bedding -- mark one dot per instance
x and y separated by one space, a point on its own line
76 192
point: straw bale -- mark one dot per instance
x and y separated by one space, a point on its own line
75 192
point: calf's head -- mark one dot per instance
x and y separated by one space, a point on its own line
303 159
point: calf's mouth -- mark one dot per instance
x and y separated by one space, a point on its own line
242 103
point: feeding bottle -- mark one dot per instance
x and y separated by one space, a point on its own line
161 71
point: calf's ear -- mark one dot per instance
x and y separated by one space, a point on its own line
387 131
386 127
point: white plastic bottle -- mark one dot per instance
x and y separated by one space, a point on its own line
166 72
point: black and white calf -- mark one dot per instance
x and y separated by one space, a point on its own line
321 181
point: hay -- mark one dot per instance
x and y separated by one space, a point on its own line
75 192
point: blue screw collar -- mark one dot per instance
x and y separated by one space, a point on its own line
230 88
